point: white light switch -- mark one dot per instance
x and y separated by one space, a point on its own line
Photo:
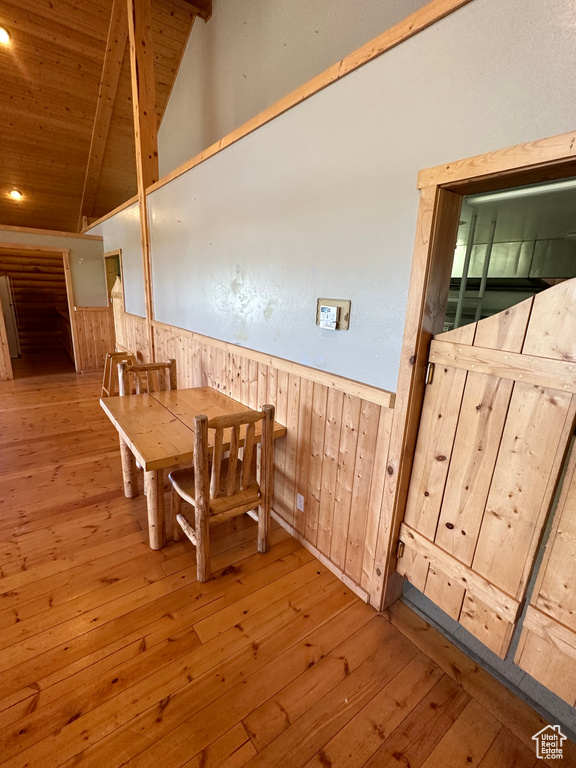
300 502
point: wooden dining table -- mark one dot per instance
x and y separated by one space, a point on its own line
157 431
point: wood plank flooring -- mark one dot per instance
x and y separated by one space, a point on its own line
112 654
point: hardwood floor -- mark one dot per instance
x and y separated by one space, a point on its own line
112 654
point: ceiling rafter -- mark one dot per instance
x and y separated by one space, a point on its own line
115 48
202 8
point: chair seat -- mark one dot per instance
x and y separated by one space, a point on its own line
183 483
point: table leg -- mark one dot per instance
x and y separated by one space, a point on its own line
129 475
155 504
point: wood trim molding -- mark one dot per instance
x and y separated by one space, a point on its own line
549 150
92 309
6 370
107 216
429 283
418 21
25 247
50 232
107 255
71 309
350 387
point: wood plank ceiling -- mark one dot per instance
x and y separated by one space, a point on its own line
66 122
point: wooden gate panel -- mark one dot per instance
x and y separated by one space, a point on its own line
482 417
438 427
480 426
547 647
477 507
523 484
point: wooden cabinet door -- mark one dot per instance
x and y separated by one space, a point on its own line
497 419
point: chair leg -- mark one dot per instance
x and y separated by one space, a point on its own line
173 530
202 544
263 528
106 378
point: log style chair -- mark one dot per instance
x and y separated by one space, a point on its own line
144 378
222 488
147 377
110 385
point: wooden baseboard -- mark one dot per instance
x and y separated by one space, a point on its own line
323 559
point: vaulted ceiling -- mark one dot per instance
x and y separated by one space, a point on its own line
66 123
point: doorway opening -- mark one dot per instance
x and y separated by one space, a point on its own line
502 247
511 244
113 270
36 309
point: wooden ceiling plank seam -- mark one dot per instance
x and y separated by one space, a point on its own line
35 53
115 51
64 16
170 24
52 32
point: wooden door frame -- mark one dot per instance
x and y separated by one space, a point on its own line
441 191
109 255
65 253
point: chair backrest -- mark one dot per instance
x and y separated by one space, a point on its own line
110 385
218 475
147 377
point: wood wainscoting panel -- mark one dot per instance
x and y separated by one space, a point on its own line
333 457
95 329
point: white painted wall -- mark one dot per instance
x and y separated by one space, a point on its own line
323 200
123 231
254 52
86 263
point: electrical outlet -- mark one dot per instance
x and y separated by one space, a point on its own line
300 502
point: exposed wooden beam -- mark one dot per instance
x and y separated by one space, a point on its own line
115 48
145 131
203 8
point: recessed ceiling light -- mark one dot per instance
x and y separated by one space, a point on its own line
4 36
15 194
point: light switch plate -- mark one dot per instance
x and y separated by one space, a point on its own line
343 316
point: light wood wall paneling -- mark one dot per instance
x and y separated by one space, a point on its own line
95 328
335 451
